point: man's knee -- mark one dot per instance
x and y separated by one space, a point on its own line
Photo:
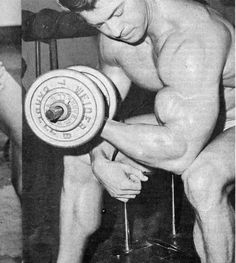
205 183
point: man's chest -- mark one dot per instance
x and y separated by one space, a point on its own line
140 65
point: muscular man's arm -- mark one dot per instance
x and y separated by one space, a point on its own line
187 109
121 180
109 65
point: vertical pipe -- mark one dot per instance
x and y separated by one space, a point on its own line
173 204
37 58
53 54
127 232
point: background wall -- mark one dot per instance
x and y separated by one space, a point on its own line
11 15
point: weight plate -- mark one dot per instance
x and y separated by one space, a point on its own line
81 101
104 84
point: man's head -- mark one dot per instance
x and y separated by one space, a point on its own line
124 20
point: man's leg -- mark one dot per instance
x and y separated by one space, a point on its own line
208 182
11 122
80 208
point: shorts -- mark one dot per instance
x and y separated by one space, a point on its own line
229 124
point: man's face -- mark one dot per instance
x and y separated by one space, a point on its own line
124 20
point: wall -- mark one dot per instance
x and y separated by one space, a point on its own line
11 15
81 51
227 11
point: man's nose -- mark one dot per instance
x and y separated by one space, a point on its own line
114 28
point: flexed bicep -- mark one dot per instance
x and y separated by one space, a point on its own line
189 104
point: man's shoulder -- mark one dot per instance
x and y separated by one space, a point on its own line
213 37
186 55
214 30
211 30
109 49
107 42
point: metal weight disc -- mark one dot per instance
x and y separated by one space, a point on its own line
104 84
76 101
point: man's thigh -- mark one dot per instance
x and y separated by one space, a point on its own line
78 169
220 154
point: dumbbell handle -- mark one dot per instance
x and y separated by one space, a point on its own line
54 113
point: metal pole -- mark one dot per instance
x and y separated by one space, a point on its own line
127 232
173 204
53 54
37 58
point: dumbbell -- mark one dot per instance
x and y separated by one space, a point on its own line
104 84
66 107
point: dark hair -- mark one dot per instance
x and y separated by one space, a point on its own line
78 5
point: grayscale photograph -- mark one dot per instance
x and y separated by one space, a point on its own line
117 131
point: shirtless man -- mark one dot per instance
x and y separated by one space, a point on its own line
185 52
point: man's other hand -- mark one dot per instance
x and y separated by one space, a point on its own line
122 181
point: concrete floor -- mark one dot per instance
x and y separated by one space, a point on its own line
10 214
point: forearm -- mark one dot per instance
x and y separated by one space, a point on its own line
151 145
102 151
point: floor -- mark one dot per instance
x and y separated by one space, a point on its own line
10 213
150 220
